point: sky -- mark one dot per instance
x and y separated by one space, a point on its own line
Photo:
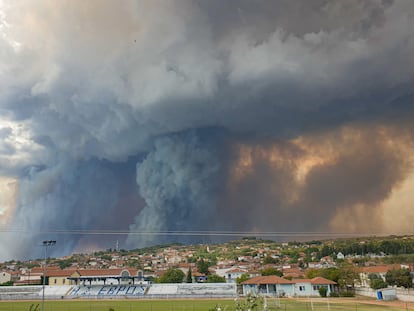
123 120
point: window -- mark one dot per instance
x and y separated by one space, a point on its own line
302 288
64 281
55 281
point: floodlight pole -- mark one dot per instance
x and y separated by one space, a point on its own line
45 245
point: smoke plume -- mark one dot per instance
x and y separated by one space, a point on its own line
142 116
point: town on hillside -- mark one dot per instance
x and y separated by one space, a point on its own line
320 267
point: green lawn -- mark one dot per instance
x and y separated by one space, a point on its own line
195 305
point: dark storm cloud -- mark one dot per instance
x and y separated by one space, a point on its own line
87 86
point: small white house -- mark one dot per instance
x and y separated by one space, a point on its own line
233 274
276 286
5 277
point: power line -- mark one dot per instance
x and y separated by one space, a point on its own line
200 233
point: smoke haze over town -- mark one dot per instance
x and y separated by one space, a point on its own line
248 116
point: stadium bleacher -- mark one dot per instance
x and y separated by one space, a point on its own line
162 289
20 292
182 290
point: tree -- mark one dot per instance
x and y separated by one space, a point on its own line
312 273
189 276
242 278
214 278
270 260
399 277
378 284
202 266
172 275
347 274
135 263
271 271
332 274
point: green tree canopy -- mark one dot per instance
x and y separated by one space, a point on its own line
270 260
312 273
399 277
378 283
172 275
242 278
189 276
347 274
202 266
214 278
271 271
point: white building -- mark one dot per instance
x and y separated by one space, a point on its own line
5 277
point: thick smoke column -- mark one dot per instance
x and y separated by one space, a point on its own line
173 115
179 181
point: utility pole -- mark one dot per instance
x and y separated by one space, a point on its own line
45 244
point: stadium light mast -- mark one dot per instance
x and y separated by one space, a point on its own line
45 244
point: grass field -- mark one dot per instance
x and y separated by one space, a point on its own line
202 305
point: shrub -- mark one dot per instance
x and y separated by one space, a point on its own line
334 294
323 291
378 284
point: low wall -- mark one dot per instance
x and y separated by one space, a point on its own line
154 291
107 291
402 293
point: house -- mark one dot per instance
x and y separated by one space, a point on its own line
310 287
30 276
379 271
276 286
5 277
271 285
60 277
233 274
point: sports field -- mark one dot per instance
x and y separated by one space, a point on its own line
205 305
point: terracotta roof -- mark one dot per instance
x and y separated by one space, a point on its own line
40 269
37 270
60 273
380 269
270 279
320 280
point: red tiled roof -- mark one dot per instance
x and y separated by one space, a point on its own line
322 281
270 279
380 269
60 273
